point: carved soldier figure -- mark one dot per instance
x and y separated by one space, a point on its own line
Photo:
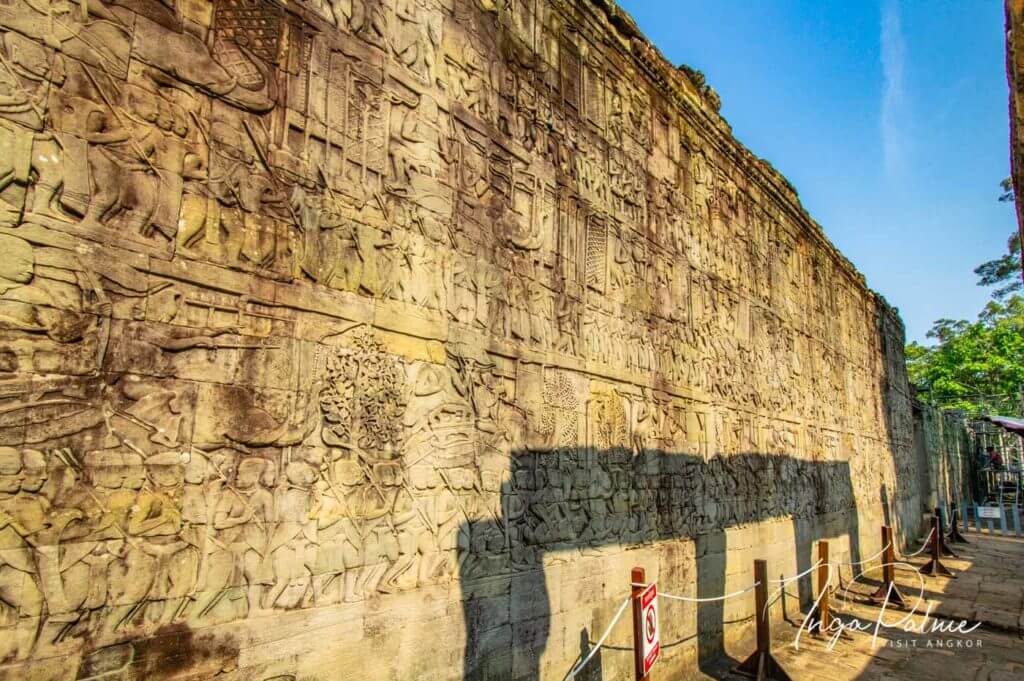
520 311
406 522
252 207
158 519
338 532
24 514
414 140
293 541
241 524
418 38
199 209
126 572
122 152
26 73
567 314
348 15
462 293
617 112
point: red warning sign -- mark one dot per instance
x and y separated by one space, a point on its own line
651 638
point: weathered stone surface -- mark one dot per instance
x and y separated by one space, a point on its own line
1014 10
380 338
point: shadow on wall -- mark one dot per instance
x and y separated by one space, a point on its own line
906 500
580 500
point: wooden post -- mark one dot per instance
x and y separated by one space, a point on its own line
935 566
823 572
888 589
761 665
638 581
820 618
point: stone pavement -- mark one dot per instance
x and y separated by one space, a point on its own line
988 589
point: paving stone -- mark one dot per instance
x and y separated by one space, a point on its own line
986 589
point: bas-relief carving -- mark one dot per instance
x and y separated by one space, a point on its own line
286 289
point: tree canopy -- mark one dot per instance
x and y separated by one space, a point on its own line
1003 272
978 366
975 366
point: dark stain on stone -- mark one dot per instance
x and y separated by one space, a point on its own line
177 648
105 660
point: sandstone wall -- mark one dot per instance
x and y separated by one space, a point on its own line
949 446
380 338
1014 12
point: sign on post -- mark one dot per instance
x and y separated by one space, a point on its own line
989 512
651 639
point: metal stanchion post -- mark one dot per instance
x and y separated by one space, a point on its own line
935 566
954 535
943 546
761 665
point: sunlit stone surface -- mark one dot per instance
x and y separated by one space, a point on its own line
380 338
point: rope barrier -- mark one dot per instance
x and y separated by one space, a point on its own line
866 560
780 592
898 565
841 586
922 549
787 580
704 600
781 589
783 581
578 668
921 580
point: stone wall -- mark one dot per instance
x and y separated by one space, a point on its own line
380 338
947 441
1014 10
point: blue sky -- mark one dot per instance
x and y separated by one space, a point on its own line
889 117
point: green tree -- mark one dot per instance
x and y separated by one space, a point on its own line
1007 187
1003 272
975 366
978 366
